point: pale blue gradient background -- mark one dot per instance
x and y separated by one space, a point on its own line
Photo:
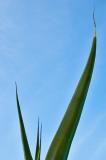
44 46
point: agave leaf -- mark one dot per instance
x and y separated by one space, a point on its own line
38 144
27 153
60 146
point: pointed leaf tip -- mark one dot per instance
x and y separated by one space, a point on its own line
94 23
26 149
38 143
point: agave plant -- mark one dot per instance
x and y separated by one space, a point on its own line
61 143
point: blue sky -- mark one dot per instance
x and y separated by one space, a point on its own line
44 46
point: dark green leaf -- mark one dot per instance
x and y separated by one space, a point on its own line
27 153
38 144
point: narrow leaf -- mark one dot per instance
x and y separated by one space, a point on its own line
60 146
38 143
27 153
40 139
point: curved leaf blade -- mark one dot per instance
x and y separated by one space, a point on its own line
59 148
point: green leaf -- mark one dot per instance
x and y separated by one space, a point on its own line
38 144
27 153
60 146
